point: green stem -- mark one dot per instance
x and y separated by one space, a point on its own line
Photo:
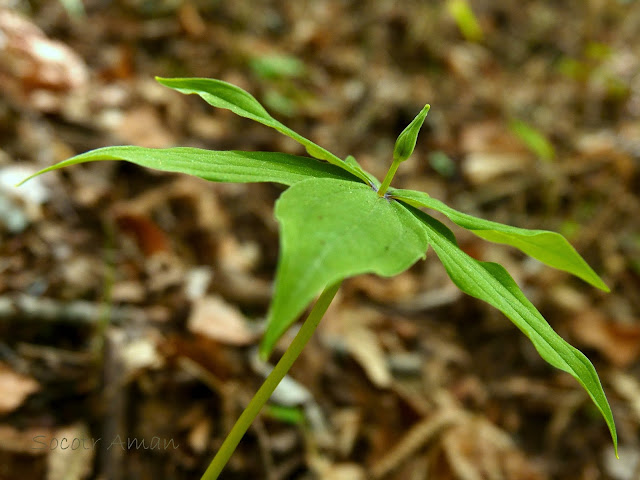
387 179
264 392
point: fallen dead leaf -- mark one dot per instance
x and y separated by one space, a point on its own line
385 290
413 440
364 345
32 441
32 65
214 318
149 237
620 343
15 389
141 126
481 167
352 329
199 435
140 354
476 449
347 423
236 256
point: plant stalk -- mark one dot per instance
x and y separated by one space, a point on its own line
264 392
387 179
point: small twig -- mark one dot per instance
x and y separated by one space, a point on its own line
47 310
414 439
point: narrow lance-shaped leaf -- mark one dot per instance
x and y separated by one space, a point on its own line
330 230
548 247
215 166
406 142
225 95
491 282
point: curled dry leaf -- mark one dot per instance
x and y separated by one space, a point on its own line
289 392
619 342
388 290
140 354
15 389
492 152
142 126
364 346
481 168
149 237
214 318
32 64
238 257
22 441
199 435
351 329
476 449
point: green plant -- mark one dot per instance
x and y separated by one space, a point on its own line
338 221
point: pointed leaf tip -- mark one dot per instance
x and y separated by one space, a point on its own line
406 141
491 283
548 247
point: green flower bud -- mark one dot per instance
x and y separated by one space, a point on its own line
406 141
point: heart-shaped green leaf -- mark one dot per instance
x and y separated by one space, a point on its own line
548 247
491 282
225 95
330 230
215 166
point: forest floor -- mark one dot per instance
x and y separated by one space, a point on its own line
132 301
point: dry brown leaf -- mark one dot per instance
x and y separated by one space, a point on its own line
326 470
415 439
491 152
142 126
214 318
489 137
481 167
620 343
364 345
628 387
351 328
32 441
199 435
466 60
128 291
149 237
32 65
477 450
140 354
15 389
387 290
191 20
347 423
238 257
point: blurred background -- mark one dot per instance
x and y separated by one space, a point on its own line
131 301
